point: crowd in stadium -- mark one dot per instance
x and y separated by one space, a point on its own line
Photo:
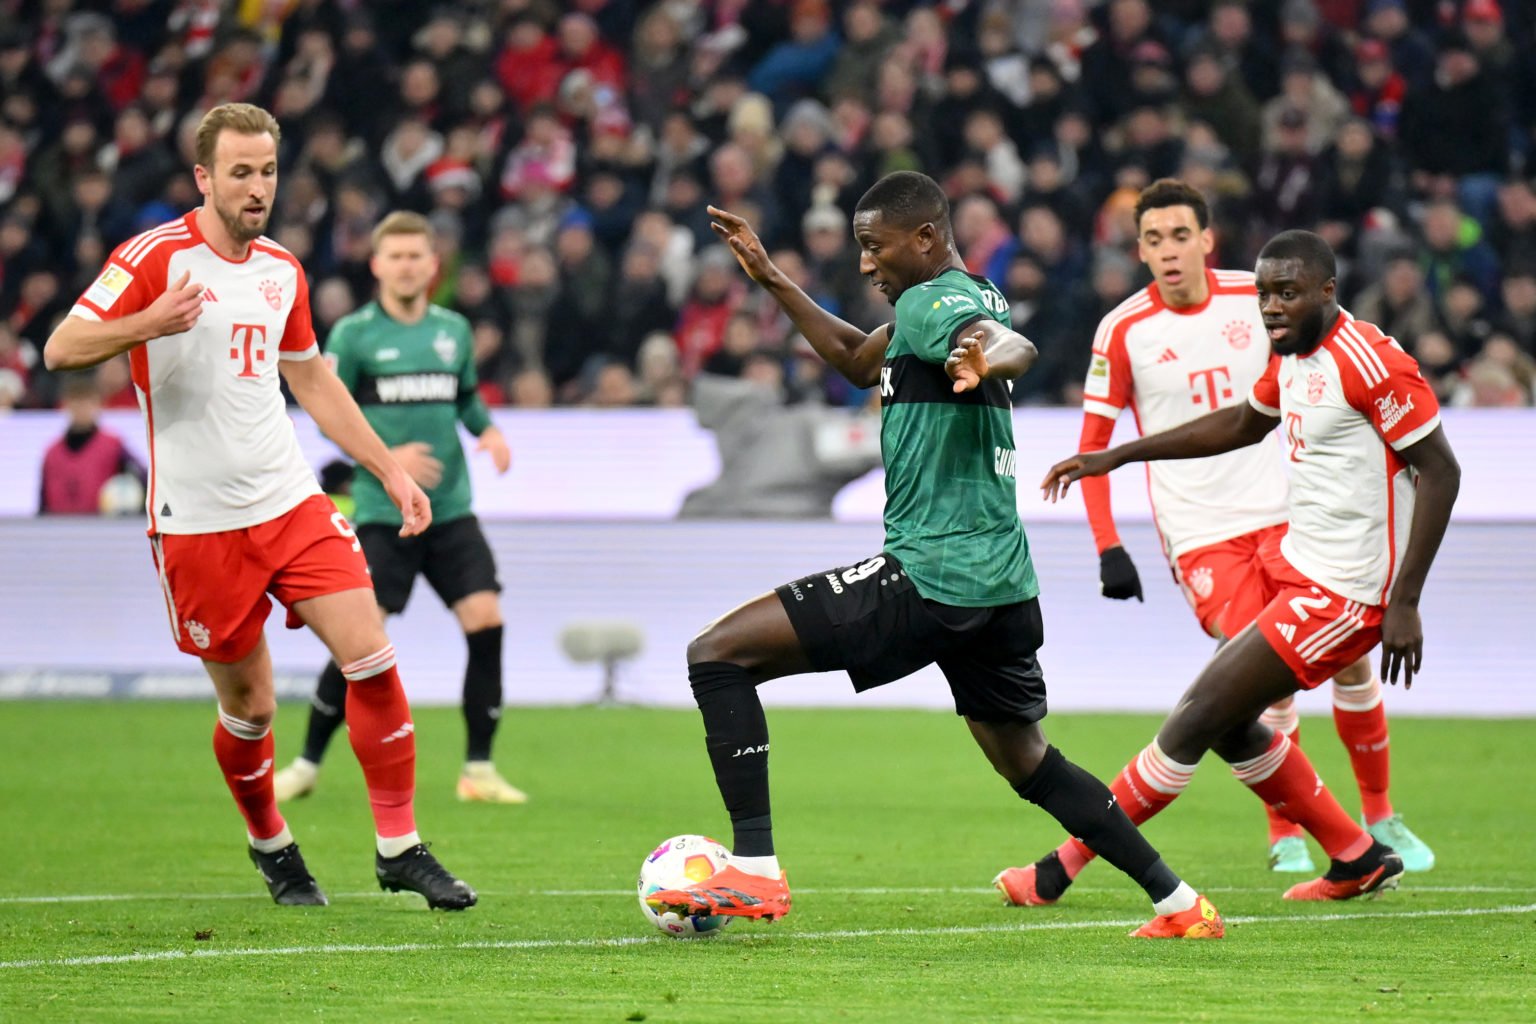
565 153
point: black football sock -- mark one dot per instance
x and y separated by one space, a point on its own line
482 692
327 710
736 735
1086 809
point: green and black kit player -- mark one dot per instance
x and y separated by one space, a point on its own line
953 584
411 367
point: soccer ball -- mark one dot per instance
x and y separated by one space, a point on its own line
121 495
678 862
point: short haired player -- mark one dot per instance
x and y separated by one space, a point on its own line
953 585
1187 344
211 313
1372 483
410 365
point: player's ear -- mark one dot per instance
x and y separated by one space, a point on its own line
927 237
203 177
1207 241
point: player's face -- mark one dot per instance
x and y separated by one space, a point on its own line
890 256
404 265
1174 246
242 183
1296 303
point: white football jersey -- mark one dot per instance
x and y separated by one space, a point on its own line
222 450
1346 410
1170 366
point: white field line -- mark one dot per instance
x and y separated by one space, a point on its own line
855 933
126 897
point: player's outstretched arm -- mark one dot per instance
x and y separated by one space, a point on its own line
1439 480
848 350
327 400
1225 430
990 352
78 343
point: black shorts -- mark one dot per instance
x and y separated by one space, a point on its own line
453 556
869 620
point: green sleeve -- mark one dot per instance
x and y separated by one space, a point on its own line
340 354
472 411
933 316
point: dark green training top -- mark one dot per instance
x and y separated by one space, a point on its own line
951 496
414 382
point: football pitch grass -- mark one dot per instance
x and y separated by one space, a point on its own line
126 893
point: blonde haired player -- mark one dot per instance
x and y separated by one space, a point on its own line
411 367
211 313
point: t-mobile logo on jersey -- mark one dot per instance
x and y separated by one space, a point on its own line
1211 388
247 346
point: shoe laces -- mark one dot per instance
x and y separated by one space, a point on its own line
421 865
286 865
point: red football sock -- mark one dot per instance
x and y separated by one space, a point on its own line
244 752
1145 786
1283 776
1361 719
384 739
1282 719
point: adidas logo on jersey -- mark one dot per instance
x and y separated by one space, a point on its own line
1287 630
208 295
1168 356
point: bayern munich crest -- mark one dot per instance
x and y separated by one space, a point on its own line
1316 384
1202 582
1239 334
272 293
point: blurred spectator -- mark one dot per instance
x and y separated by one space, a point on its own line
1229 36
1378 91
78 465
1464 316
1398 303
1412 54
1303 88
1438 360
715 295
1455 131
1500 377
1285 186
531 389
796 67
1219 98
1518 319
1354 177
1454 249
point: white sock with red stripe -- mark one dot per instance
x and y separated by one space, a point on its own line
1145 786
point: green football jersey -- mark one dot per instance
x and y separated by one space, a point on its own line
414 382
951 494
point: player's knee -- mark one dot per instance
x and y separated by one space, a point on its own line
1355 675
711 644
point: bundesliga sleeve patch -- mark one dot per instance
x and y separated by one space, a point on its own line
1097 385
109 287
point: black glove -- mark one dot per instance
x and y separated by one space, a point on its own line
1117 575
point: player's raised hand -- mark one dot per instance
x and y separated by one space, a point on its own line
176 309
1402 643
492 441
967 363
411 500
744 244
416 458
1061 475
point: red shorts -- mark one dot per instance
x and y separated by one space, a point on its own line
1318 633
216 584
1211 576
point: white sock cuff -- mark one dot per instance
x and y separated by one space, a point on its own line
1162 772
1284 720
272 845
1258 769
394 846
366 668
1364 697
242 729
